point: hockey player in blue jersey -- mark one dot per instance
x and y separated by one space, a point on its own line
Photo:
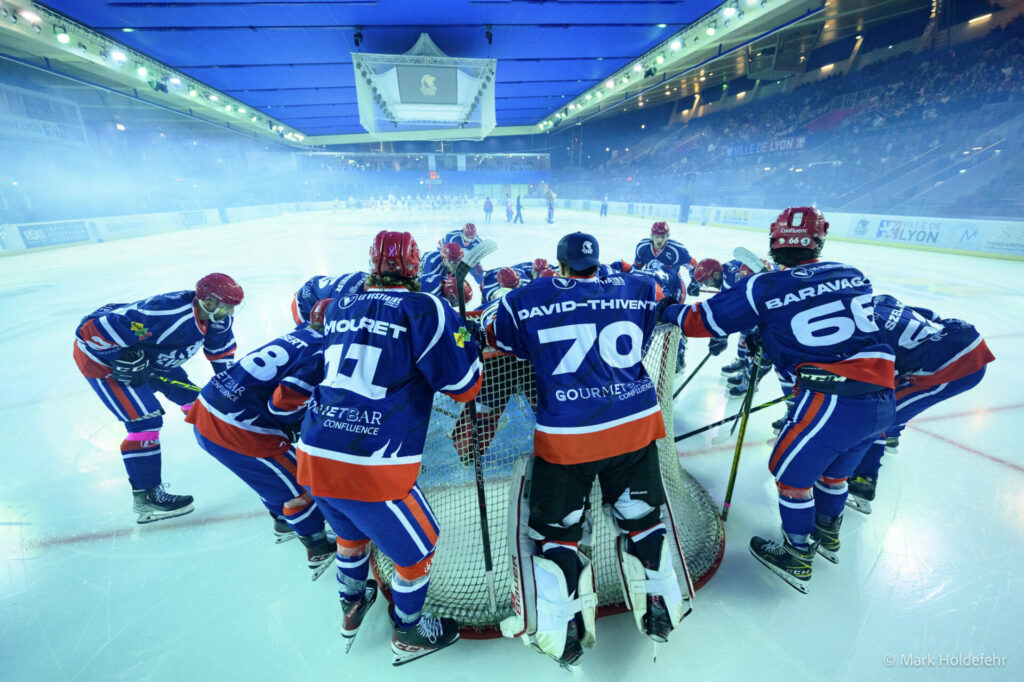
661 252
597 415
466 238
129 352
320 287
494 282
936 359
387 350
245 418
815 321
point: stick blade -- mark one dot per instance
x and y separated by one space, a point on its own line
479 252
748 258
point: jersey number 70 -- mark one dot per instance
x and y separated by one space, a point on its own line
584 336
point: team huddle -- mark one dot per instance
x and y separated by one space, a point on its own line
327 422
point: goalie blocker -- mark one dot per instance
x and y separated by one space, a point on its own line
548 612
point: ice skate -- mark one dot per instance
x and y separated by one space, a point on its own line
320 552
656 622
282 531
736 365
827 535
156 504
428 635
862 493
892 445
739 390
354 611
786 561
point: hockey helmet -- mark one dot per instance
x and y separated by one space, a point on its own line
221 288
452 252
469 231
706 270
450 290
394 253
508 278
659 228
316 315
803 227
540 264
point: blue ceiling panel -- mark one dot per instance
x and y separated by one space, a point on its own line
291 58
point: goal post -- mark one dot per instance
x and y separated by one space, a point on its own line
505 413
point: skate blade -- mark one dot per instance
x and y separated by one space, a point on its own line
150 517
403 657
858 504
829 555
349 640
320 569
284 537
800 586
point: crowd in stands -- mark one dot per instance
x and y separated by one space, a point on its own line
840 139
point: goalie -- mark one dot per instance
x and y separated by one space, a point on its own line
597 415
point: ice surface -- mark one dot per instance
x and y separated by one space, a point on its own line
86 594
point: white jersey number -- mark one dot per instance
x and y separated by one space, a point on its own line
830 323
361 380
584 336
917 331
264 362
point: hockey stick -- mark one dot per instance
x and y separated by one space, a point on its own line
747 257
745 416
754 377
690 434
692 374
471 259
174 382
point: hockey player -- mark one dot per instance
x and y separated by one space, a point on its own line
597 415
466 238
814 319
439 264
320 287
936 359
495 281
387 350
128 352
245 418
660 251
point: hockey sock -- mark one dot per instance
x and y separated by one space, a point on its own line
646 545
831 496
564 556
409 590
353 564
796 507
303 515
141 455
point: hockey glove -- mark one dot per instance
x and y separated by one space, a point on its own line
693 289
717 344
477 331
753 341
662 305
132 368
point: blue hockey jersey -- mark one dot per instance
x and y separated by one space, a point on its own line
730 273
670 257
817 314
386 352
432 264
249 407
929 351
585 338
166 327
489 286
322 286
456 237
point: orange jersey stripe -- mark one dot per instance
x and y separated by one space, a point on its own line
330 478
576 448
233 438
693 322
287 399
89 367
122 398
295 309
219 356
421 518
877 371
968 364
470 392
812 411
416 571
286 464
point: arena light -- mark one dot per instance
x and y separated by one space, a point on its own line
637 67
660 59
175 81
118 57
975 20
62 35
711 30
141 70
676 45
30 16
828 67
729 12
610 84
661 25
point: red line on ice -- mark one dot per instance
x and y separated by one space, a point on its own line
1016 467
968 413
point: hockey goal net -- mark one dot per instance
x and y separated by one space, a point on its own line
458 587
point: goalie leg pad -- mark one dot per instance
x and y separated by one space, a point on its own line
639 582
555 608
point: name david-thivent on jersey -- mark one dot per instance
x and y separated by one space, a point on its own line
597 304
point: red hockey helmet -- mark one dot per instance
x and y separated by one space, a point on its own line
659 228
744 271
220 287
316 315
803 227
540 264
508 278
469 231
394 253
452 252
450 291
706 270
547 272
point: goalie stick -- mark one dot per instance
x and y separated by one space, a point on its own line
470 261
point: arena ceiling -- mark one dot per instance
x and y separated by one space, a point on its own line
290 59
